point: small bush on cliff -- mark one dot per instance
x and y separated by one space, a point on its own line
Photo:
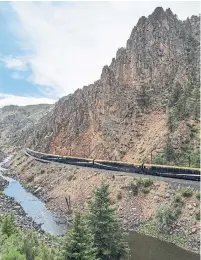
30 178
178 200
197 215
134 188
145 190
198 195
119 195
187 192
144 182
165 217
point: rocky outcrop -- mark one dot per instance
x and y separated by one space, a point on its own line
124 115
16 123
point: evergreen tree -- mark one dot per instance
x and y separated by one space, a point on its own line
79 242
30 246
109 237
8 225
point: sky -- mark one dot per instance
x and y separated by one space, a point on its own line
49 49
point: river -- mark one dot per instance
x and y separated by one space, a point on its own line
142 247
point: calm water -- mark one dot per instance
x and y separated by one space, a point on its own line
149 248
142 247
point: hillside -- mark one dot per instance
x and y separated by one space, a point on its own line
146 100
16 122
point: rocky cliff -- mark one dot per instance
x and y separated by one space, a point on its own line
16 124
145 100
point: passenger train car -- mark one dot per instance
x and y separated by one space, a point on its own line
186 173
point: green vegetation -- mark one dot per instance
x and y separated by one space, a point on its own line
8 225
184 106
122 154
42 171
145 190
18 245
141 184
178 200
96 235
144 182
30 178
193 130
149 228
186 192
70 177
164 218
198 195
79 241
109 237
134 189
119 195
171 156
197 215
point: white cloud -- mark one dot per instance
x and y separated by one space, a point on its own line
69 42
13 63
6 100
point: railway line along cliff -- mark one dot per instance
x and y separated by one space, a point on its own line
138 198
144 108
146 102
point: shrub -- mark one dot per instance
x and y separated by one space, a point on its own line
178 200
177 212
70 177
164 218
198 195
119 195
186 192
197 216
144 182
30 178
134 189
42 171
145 190
112 201
122 154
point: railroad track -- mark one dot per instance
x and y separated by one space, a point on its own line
146 169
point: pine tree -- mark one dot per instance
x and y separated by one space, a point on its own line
79 242
109 237
30 246
8 225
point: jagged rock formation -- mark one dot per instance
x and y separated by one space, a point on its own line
16 123
125 114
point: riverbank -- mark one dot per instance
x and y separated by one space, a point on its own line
10 206
54 182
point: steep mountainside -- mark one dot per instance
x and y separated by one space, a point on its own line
147 99
16 122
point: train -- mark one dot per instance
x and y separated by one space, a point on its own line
177 172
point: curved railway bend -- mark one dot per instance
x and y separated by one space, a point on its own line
175 174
